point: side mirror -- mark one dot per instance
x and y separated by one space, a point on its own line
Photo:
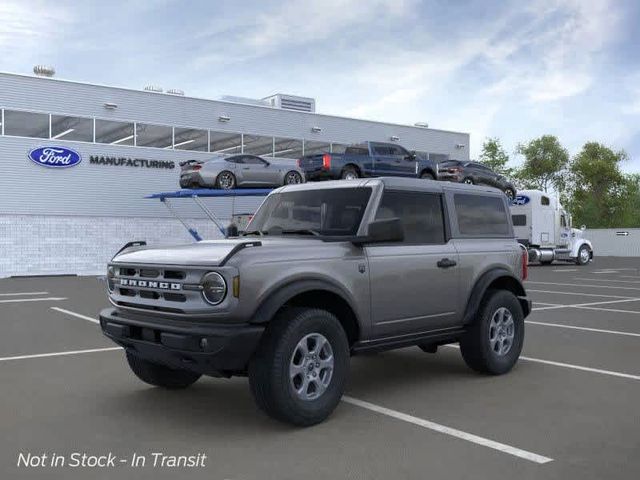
583 228
232 231
266 163
383 231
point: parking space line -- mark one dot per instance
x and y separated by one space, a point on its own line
18 294
581 305
571 366
469 437
576 294
564 270
74 314
615 310
586 329
59 354
24 300
606 280
583 285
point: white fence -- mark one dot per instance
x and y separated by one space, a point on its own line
615 242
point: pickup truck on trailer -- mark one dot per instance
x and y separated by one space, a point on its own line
369 159
325 271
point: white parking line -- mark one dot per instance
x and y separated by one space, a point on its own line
576 294
586 329
564 270
584 285
23 300
59 354
605 280
615 310
469 437
581 305
572 366
74 314
22 293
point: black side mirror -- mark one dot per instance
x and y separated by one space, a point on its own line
383 231
232 231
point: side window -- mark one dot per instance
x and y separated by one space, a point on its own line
234 160
420 213
253 160
544 201
519 220
381 150
563 221
481 215
397 151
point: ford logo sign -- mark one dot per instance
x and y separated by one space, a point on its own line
55 157
520 200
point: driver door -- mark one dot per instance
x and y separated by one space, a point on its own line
412 289
254 170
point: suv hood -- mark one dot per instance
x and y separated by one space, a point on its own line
205 253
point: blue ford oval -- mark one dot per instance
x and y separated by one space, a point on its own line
55 157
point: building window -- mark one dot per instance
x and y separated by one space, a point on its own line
258 145
157 136
287 148
26 124
191 139
114 133
315 148
71 128
225 142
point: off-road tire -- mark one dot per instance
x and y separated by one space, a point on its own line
427 176
160 375
349 172
579 260
468 181
475 346
269 376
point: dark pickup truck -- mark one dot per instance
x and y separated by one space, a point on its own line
368 159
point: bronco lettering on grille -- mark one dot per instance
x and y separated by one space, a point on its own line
128 282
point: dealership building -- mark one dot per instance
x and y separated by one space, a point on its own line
127 144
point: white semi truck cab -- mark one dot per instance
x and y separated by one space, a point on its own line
543 226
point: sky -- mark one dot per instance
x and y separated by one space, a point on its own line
508 69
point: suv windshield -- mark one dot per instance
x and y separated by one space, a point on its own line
331 212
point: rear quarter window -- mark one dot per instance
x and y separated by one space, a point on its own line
481 216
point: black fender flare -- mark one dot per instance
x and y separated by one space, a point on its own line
281 294
482 285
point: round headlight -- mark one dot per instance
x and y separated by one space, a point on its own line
214 288
111 272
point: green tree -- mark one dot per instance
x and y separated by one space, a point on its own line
601 196
545 163
495 157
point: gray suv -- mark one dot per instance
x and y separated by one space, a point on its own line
325 271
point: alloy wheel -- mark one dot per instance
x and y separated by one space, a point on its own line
501 331
311 367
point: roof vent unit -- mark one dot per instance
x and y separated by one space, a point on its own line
44 71
153 88
244 100
292 102
175 91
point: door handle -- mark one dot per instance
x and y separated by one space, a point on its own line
446 263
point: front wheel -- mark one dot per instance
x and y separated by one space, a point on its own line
584 255
468 181
300 371
427 176
493 341
226 180
159 375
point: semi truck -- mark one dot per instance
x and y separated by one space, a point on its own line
544 227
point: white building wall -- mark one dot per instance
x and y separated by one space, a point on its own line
611 242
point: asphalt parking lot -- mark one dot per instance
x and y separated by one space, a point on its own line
570 408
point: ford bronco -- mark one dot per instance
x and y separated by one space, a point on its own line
325 271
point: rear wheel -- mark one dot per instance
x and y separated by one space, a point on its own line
350 173
292 178
546 262
427 176
468 181
160 375
493 342
584 255
300 370
225 180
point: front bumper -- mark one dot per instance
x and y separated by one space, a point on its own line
205 348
